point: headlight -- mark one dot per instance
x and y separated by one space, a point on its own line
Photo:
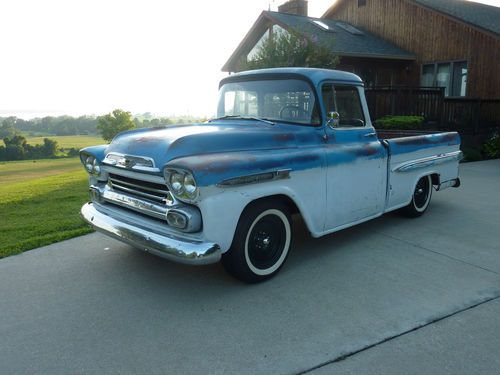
190 185
181 183
95 168
177 182
91 164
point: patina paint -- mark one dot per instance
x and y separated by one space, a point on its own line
99 152
314 76
337 177
420 142
163 145
214 168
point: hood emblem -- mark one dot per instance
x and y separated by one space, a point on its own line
128 163
133 162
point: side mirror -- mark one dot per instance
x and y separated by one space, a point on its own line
333 119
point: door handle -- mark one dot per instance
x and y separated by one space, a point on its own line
370 135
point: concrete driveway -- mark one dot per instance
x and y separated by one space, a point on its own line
394 295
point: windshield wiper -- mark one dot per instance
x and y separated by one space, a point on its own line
239 117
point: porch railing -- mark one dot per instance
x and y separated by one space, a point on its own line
467 115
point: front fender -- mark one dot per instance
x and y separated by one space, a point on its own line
99 152
221 208
212 169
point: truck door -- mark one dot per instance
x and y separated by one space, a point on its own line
356 160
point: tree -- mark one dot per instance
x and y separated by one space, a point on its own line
113 123
16 140
14 152
291 48
49 147
7 127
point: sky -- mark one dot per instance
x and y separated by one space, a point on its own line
89 57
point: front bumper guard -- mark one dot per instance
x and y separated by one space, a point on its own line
169 246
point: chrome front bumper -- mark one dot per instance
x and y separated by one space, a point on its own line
167 245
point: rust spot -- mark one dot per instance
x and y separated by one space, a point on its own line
366 150
283 137
450 138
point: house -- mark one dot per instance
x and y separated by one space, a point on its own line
456 42
436 58
373 58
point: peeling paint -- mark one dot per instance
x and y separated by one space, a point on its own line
414 143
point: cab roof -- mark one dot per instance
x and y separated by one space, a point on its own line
313 75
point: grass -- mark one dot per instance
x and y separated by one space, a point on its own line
40 203
69 141
27 170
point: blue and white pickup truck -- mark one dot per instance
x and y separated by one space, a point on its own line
285 141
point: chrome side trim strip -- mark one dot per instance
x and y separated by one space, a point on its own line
255 178
429 161
176 248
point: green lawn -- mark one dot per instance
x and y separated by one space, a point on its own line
40 203
69 141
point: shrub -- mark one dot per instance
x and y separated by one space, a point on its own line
472 154
400 122
492 146
72 152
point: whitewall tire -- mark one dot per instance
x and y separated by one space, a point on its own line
261 243
420 199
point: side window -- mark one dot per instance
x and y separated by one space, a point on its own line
344 100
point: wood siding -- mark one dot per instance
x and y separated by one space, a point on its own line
433 37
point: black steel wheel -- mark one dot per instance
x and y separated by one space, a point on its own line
261 243
420 199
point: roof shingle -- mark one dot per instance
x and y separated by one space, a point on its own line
484 16
345 42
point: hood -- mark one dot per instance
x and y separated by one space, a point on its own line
172 142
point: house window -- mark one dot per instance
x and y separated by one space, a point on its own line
452 76
361 3
459 78
443 78
427 78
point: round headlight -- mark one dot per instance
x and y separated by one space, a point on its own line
95 167
89 164
176 182
190 185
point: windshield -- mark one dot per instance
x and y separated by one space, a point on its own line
289 100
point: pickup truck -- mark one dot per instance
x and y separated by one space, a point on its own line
285 141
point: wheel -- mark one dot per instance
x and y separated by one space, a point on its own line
420 199
261 243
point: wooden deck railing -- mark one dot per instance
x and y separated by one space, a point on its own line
467 115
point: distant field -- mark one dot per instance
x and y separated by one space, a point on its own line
69 141
26 170
40 203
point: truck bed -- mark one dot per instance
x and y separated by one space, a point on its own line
415 156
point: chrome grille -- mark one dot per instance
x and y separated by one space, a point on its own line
144 189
